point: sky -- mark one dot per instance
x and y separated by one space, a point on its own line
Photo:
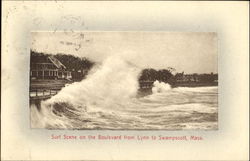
191 52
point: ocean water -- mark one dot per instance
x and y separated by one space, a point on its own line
108 99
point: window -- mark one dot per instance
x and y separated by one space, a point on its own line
33 73
46 73
40 73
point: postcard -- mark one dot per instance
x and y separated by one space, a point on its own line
126 80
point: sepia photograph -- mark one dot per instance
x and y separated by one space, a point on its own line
124 80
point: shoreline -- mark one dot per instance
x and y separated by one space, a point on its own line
59 84
195 84
48 84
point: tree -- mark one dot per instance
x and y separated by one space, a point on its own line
150 74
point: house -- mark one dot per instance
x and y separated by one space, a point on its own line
181 77
48 67
80 74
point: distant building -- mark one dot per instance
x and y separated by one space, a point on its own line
181 77
49 68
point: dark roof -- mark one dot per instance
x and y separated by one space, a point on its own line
56 62
47 59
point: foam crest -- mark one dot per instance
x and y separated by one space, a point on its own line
112 82
160 87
